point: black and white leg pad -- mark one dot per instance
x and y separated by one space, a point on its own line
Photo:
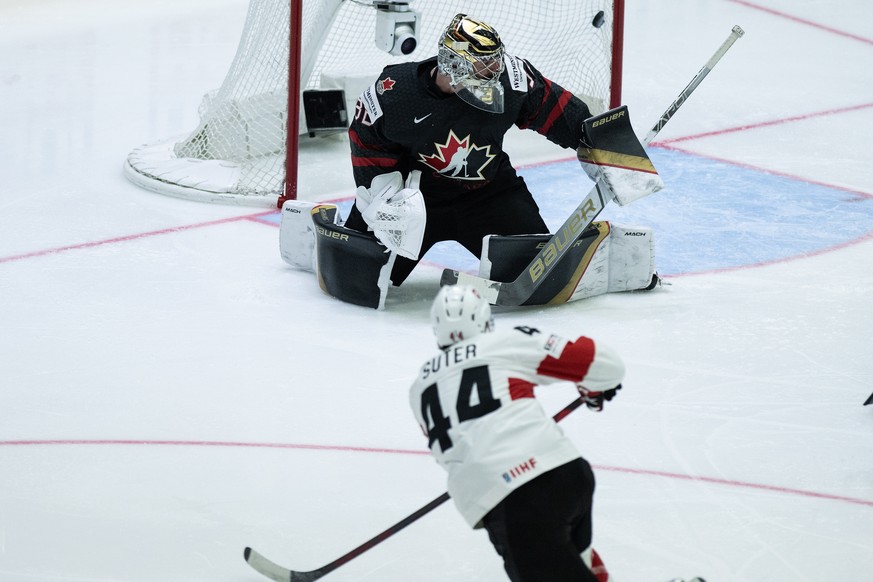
607 258
350 265
297 234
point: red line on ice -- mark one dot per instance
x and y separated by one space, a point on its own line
341 448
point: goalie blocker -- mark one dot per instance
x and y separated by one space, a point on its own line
349 265
613 156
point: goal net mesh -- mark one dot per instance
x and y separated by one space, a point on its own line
237 152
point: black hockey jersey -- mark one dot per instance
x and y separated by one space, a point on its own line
404 122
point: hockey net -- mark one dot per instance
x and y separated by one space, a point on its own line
237 153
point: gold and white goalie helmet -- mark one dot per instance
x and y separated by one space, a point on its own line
471 55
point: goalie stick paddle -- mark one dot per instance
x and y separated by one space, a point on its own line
516 292
276 572
869 400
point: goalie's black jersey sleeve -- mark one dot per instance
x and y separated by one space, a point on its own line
404 122
475 402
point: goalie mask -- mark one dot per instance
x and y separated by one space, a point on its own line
471 56
459 313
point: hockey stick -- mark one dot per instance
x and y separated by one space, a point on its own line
276 572
518 291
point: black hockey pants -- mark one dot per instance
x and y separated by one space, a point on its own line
542 527
499 208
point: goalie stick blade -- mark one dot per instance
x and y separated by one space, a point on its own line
274 571
869 400
488 289
515 293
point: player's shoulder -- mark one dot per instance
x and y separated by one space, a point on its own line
524 337
521 75
395 86
397 81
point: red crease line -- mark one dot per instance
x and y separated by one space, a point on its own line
803 21
130 237
765 124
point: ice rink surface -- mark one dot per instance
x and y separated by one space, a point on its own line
171 391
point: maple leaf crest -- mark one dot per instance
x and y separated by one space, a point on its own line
459 158
385 84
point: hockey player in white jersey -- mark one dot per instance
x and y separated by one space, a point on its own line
510 468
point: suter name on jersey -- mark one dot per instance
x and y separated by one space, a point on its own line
453 355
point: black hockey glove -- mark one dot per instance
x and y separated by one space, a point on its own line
595 400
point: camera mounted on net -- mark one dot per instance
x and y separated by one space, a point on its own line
396 25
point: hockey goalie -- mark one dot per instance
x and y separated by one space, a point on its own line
428 161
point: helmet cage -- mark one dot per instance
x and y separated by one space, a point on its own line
471 55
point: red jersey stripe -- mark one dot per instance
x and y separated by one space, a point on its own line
574 362
380 162
556 112
547 89
520 389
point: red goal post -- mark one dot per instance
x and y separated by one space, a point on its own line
244 150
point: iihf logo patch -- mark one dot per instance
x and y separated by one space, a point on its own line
459 158
385 84
520 469
552 343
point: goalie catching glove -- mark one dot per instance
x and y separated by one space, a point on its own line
594 400
395 212
612 156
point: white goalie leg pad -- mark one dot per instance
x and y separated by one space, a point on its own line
624 261
297 234
631 258
396 216
595 278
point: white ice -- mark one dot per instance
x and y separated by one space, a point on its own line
171 392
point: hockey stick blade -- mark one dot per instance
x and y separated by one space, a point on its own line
274 571
869 400
514 293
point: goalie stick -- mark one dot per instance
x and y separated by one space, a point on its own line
516 292
276 572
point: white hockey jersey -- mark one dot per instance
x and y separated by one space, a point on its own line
475 402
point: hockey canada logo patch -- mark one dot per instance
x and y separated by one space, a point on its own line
385 84
459 158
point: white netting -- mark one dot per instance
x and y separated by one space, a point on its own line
237 153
